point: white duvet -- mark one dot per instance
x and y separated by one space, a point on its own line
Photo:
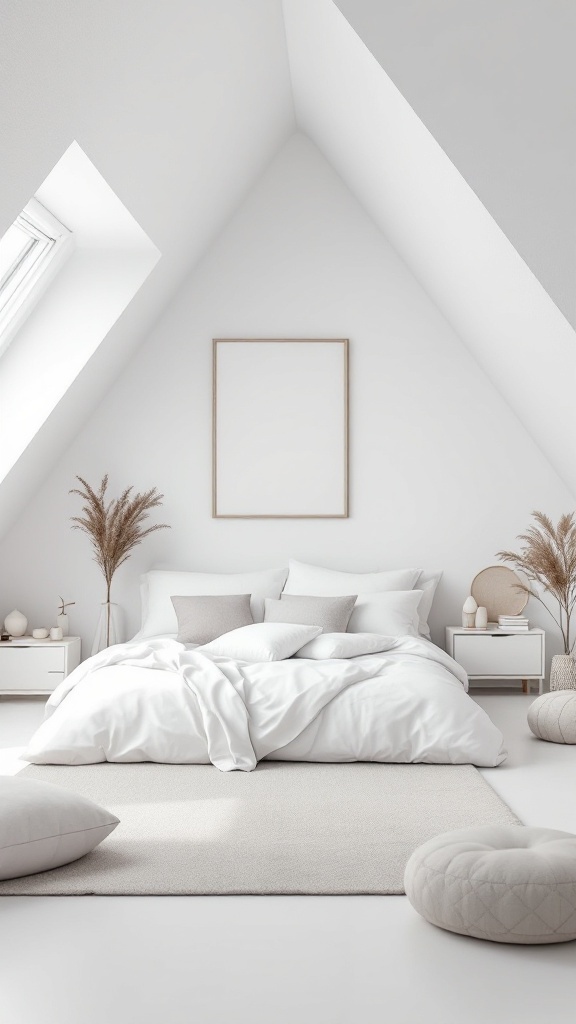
156 700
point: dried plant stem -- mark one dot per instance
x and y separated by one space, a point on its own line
114 527
548 559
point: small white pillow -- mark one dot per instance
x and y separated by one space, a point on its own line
263 641
158 586
43 826
428 585
316 581
343 645
390 614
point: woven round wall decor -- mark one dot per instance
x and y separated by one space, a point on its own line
496 588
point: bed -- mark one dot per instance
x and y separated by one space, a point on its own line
304 664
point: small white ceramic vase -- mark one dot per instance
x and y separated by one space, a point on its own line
55 633
16 623
62 621
481 618
469 613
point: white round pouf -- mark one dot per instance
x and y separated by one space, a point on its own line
505 883
552 716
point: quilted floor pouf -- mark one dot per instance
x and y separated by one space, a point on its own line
552 716
503 883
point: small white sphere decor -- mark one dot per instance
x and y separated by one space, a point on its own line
469 613
16 623
481 621
41 633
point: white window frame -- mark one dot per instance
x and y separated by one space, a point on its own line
51 243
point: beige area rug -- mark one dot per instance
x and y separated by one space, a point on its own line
284 828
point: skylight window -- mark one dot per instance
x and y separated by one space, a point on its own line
31 251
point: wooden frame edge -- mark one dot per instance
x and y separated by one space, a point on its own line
262 515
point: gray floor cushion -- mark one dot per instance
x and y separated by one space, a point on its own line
43 826
552 716
503 883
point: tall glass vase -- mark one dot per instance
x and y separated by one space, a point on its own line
109 629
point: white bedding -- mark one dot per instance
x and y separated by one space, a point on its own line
155 700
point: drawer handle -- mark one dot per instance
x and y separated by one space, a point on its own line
505 636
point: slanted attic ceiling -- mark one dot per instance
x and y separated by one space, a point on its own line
181 105
495 83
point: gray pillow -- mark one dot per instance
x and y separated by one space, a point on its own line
331 613
202 619
43 826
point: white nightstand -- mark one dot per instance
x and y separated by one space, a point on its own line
29 666
492 654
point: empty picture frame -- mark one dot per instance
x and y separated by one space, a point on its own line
280 428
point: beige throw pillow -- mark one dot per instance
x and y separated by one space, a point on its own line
202 619
331 613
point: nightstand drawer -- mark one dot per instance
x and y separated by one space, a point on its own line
31 668
499 654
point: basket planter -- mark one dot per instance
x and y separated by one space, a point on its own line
563 672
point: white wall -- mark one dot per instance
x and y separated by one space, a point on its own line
370 134
442 473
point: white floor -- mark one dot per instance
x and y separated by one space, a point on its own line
281 960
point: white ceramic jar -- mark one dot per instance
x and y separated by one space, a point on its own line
16 623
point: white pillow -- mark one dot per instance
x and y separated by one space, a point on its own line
159 586
312 579
427 584
343 645
390 614
263 641
43 826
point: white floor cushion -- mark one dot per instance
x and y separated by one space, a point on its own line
503 883
43 826
552 716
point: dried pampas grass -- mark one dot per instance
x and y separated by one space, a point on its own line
548 559
115 527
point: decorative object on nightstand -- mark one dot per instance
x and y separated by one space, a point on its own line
62 617
497 589
30 666
481 618
513 623
548 559
40 634
16 623
492 654
469 610
114 528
